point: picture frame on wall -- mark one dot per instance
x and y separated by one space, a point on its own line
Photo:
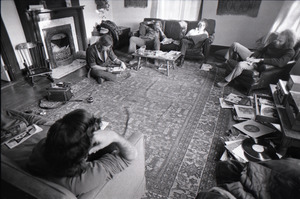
136 3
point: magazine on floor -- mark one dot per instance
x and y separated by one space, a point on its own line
22 137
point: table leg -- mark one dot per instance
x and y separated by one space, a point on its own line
139 62
168 67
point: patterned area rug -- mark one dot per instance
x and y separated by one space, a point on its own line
179 115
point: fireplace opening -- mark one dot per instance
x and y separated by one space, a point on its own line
60 45
61 50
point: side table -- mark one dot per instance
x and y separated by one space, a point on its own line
289 137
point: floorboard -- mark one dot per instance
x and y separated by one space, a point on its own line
21 94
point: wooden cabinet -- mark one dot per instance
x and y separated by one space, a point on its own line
289 137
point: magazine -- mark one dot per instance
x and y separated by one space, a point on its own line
30 131
237 99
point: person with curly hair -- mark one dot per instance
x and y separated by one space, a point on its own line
78 155
277 53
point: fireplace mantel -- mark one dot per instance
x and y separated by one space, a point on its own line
55 9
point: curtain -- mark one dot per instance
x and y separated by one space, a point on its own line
176 9
288 18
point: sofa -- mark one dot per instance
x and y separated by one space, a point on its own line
16 182
176 29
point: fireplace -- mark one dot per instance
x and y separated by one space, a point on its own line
60 40
62 32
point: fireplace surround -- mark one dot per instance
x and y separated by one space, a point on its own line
59 25
60 40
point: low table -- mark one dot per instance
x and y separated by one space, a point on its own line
170 57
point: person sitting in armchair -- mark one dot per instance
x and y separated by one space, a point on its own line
153 36
101 60
193 38
78 155
278 53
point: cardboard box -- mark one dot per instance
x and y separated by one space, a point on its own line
293 83
282 92
292 110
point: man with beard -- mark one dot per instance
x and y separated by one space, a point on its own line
278 53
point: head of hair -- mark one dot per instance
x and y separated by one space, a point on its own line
106 40
204 21
290 38
158 22
68 142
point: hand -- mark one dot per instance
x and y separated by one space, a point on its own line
101 139
123 66
253 60
109 69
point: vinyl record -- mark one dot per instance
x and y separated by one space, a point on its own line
258 150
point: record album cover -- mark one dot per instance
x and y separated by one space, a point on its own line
253 129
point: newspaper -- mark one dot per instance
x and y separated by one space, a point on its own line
17 140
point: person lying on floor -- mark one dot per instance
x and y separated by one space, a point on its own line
101 60
278 53
78 155
193 38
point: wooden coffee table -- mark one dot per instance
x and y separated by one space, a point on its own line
170 57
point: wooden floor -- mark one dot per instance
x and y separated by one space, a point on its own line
21 94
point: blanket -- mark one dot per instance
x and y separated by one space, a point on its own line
264 180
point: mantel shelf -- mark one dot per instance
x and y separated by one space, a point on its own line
54 9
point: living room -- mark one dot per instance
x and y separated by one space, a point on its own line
177 109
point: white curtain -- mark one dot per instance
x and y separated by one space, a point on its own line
288 18
178 9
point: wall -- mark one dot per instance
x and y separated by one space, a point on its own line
243 29
13 25
91 17
130 17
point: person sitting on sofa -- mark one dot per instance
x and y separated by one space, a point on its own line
192 38
101 59
153 36
278 53
79 156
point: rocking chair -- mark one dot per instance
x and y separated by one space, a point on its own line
32 55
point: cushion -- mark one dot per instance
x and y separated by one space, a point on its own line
175 29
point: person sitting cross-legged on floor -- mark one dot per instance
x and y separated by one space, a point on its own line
101 59
278 53
192 38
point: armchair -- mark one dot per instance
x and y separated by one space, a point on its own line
17 182
266 75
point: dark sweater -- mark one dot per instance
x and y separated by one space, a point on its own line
274 56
